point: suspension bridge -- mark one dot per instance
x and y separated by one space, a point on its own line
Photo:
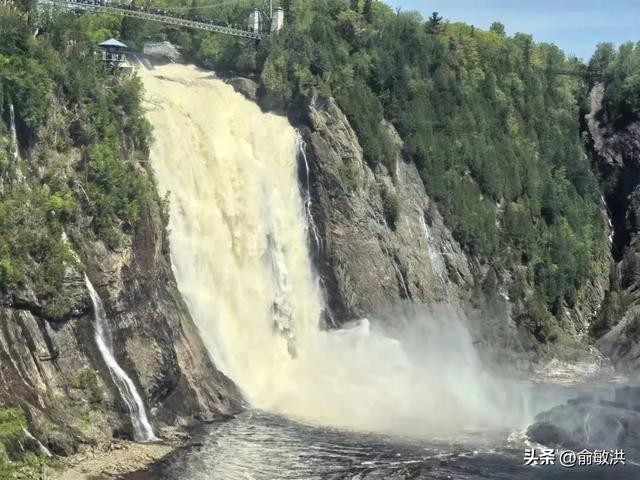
582 71
154 16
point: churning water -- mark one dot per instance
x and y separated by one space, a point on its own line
261 446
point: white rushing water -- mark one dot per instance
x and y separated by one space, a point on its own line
43 450
14 134
142 430
435 258
239 251
308 202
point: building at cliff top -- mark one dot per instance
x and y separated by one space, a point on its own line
113 53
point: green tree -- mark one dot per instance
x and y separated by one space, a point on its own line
498 28
368 10
434 23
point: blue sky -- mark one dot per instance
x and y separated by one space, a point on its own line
576 26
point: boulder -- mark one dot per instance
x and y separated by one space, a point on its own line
592 422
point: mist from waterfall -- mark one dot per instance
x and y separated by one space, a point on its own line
142 430
239 249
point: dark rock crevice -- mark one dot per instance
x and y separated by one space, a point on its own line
615 152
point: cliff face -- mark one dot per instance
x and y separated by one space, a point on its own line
616 152
51 367
369 255
381 240
378 240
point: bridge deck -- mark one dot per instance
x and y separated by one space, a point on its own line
182 22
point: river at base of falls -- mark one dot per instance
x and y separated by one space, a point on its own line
261 446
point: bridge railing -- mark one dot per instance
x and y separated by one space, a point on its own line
156 18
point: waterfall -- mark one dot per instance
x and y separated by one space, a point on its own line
142 430
14 134
437 262
238 236
301 148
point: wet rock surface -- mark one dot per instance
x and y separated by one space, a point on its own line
368 261
162 51
607 421
244 86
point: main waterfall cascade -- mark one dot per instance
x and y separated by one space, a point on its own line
239 250
142 430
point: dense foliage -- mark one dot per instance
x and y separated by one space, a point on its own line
83 131
492 127
621 72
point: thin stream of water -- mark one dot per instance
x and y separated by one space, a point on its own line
142 430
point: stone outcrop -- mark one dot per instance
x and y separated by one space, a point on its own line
244 86
610 421
366 260
616 152
162 51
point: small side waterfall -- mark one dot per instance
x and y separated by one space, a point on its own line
15 146
142 430
43 450
14 134
437 262
310 226
301 149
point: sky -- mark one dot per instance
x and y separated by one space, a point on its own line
575 26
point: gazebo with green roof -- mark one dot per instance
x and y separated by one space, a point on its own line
112 51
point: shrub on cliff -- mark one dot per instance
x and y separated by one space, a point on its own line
390 207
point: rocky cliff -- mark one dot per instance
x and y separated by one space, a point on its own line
616 153
380 237
377 240
50 365
380 240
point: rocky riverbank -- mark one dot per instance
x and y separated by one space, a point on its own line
115 459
